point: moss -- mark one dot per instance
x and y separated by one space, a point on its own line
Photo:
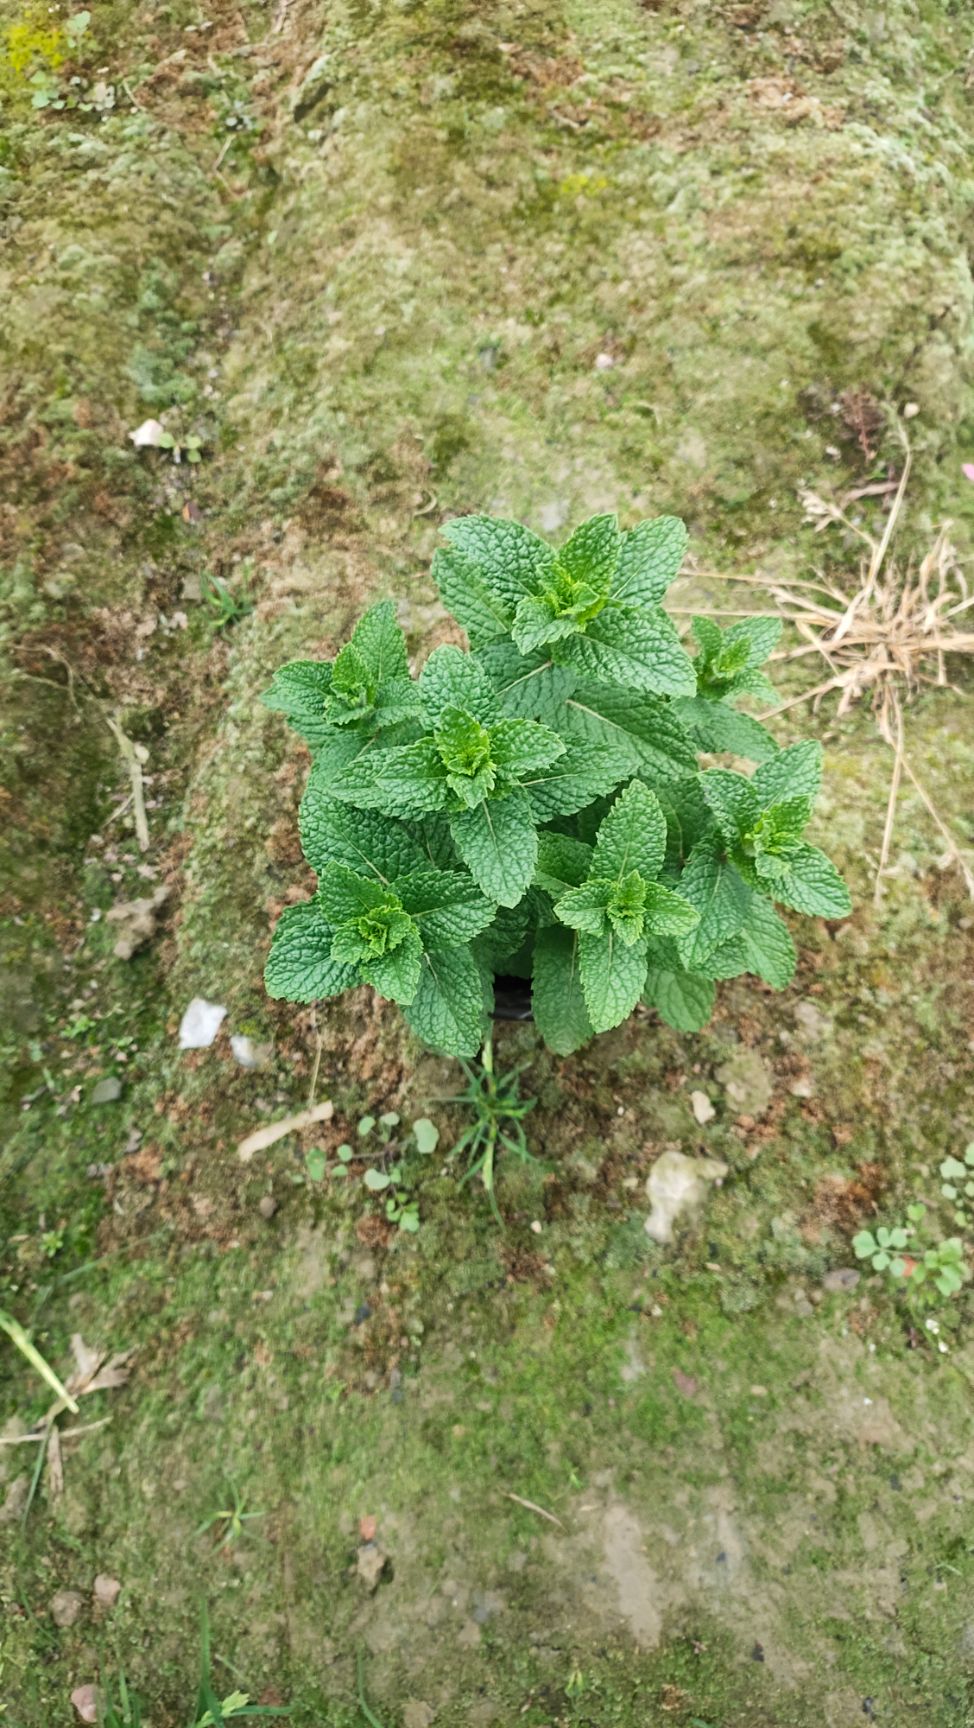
389 309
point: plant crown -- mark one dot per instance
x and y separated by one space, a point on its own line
536 805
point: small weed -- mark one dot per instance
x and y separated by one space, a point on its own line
928 1273
498 1111
225 607
958 1186
391 1174
120 1707
232 1519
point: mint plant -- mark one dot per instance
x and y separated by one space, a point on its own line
536 804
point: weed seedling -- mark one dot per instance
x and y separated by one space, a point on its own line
927 1274
232 1519
225 607
498 1113
958 1186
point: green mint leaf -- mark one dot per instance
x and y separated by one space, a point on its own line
712 885
763 946
498 843
379 640
682 999
812 885
353 689
708 637
733 803
396 974
536 623
649 559
584 908
793 773
556 992
716 728
760 636
640 650
646 731
522 746
688 819
300 967
666 913
433 836
452 679
613 978
344 893
632 836
448 1011
446 907
528 686
300 690
372 844
397 700
502 939
563 863
475 607
404 780
510 560
583 773
463 746
591 555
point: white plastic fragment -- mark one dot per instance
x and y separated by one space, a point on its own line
200 1024
148 436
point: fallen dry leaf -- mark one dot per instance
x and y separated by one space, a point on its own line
97 1372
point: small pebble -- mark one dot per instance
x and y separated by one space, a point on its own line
66 1605
267 1205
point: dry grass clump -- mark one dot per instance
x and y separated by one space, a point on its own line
897 632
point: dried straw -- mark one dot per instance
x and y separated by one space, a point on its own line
894 635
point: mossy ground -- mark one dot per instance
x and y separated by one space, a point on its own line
370 254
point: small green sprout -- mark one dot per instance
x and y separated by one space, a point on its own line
958 1185
927 1274
232 1518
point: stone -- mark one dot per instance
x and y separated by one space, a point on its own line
703 1110
267 1206
841 1278
107 1091
65 1606
370 1564
678 1184
86 1702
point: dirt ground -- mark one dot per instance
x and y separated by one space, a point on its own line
387 261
